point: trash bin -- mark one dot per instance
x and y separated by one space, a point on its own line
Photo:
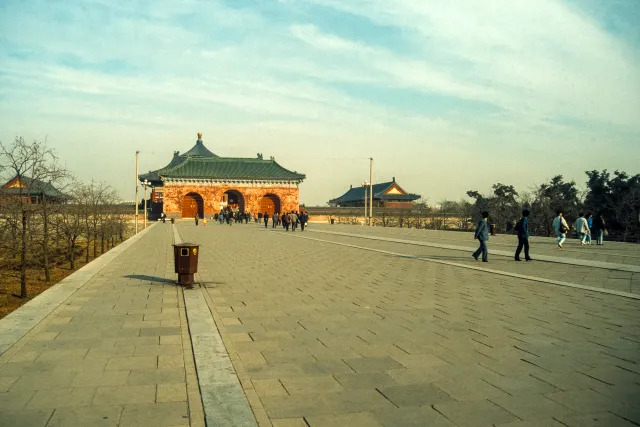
332 221
185 259
492 229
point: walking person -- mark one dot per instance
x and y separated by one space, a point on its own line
274 220
482 234
196 218
561 227
582 228
599 226
589 219
266 219
303 219
522 228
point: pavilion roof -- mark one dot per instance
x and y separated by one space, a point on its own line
200 163
33 187
379 193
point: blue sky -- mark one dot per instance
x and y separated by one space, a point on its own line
446 97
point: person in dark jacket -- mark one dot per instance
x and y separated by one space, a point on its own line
265 216
522 228
482 234
285 221
599 226
303 219
196 218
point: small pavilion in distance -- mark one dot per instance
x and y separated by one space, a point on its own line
386 194
201 183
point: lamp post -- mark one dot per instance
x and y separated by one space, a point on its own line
365 184
137 180
145 184
370 191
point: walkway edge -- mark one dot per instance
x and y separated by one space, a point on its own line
224 401
544 258
486 270
17 324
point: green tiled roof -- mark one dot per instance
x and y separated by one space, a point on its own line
200 163
198 150
357 193
230 168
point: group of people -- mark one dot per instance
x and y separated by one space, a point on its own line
288 220
584 226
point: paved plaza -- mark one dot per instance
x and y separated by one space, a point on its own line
336 326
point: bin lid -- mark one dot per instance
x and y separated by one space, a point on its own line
186 245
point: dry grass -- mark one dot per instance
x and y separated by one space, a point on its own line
36 284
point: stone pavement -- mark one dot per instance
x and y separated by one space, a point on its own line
115 353
325 330
332 335
615 271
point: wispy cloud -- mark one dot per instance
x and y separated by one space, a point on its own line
402 80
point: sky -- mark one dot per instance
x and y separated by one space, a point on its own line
445 96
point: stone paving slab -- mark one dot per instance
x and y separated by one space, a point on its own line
102 356
557 258
613 281
472 346
612 252
15 325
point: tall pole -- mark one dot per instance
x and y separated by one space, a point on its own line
145 207
370 191
137 152
365 204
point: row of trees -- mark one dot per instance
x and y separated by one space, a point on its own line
617 197
47 218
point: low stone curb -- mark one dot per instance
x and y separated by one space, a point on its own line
17 324
223 399
545 258
486 270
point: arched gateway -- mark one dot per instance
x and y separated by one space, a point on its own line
248 184
270 203
235 200
192 205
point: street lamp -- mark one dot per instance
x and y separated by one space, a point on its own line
145 184
365 184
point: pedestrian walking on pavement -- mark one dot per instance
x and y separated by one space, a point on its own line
561 227
482 234
196 218
522 228
303 220
599 226
582 228
266 219
274 220
589 218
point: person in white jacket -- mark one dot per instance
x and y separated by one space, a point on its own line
582 228
561 227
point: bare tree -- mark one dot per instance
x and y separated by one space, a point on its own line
28 166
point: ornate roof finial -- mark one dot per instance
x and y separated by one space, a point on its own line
199 135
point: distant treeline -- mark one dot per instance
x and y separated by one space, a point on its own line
616 196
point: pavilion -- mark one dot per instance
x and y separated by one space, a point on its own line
202 183
386 194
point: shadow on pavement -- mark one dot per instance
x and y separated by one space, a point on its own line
149 278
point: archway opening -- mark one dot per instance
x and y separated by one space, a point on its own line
235 200
270 204
192 205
